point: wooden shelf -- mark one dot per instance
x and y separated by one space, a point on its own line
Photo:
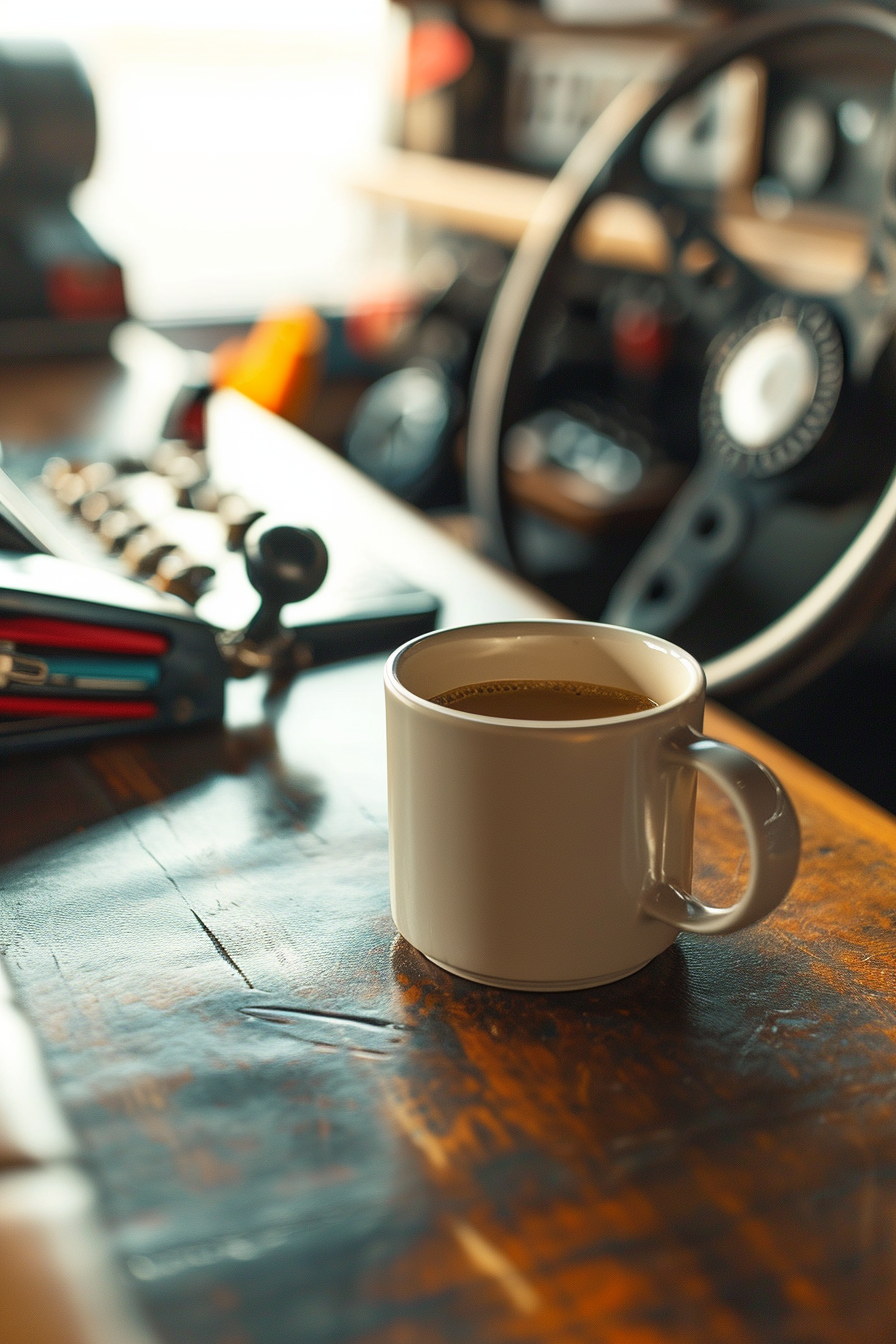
507 21
470 197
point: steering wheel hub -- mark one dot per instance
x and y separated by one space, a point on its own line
772 387
768 385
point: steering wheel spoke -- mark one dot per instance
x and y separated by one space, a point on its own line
700 535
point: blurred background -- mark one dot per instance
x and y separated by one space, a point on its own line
238 146
316 204
226 136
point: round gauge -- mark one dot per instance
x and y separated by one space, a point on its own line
685 146
399 427
801 147
772 387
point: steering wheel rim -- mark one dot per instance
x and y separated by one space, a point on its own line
816 629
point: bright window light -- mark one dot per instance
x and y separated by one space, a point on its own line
227 131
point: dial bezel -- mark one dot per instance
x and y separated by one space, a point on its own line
814 320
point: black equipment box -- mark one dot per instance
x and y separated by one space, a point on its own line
60 293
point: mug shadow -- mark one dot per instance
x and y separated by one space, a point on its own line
689 1046
659 989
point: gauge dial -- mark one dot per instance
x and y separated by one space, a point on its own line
801 146
707 138
399 427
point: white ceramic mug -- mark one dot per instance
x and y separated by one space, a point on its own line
557 855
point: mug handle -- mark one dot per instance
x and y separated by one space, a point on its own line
773 836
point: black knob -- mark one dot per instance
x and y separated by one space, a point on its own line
285 564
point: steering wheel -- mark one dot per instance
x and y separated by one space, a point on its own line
688 377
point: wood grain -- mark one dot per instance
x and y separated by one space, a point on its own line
302 1130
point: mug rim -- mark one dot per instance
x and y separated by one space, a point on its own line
487 722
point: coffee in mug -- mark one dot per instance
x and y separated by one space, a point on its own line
533 699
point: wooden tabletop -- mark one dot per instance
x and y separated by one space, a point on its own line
298 1129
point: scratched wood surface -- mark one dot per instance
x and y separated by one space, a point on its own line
301 1130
